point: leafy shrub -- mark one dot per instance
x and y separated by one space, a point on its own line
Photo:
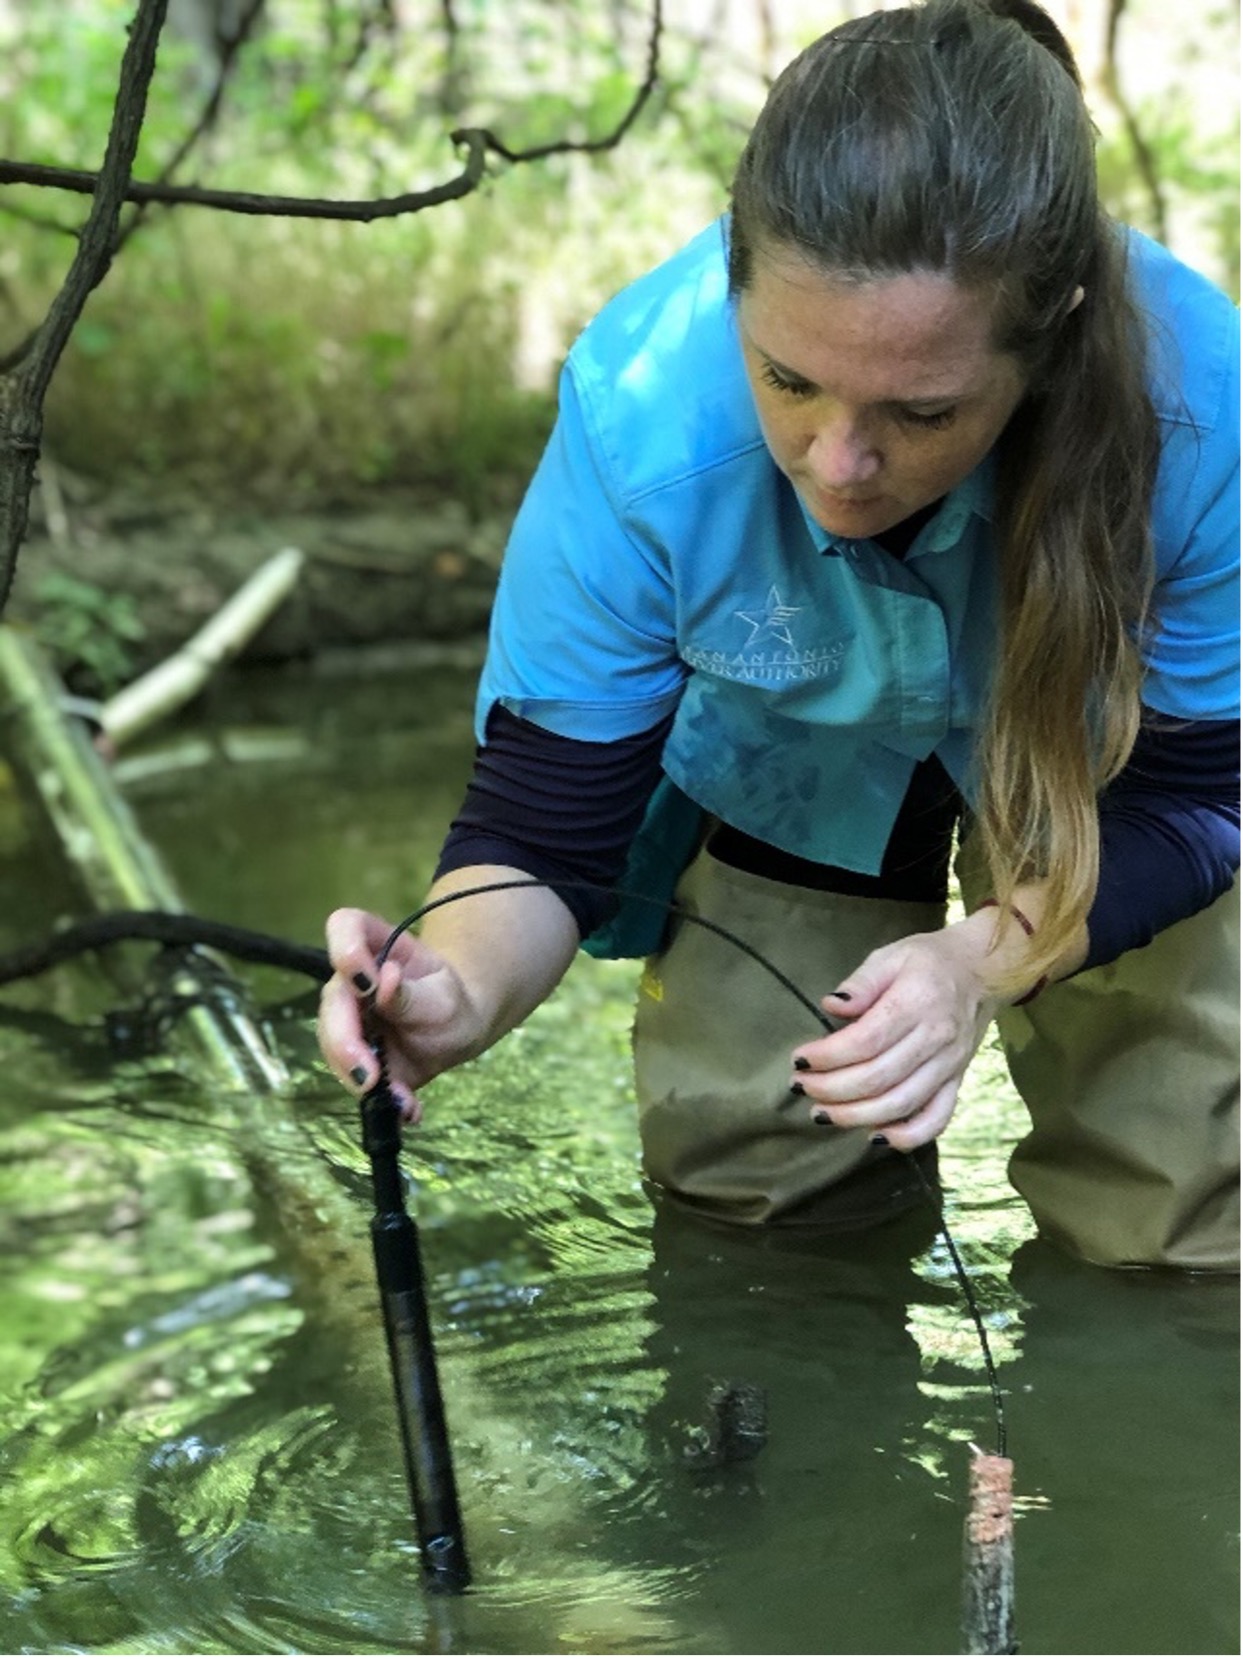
89 631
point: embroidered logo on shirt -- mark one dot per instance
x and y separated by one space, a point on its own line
774 619
769 655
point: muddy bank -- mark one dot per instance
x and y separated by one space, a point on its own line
387 570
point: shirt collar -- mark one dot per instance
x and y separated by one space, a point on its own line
974 497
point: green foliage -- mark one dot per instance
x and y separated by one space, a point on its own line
293 358
287 358
88 630
1198 178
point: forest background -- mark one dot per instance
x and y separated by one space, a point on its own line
378 393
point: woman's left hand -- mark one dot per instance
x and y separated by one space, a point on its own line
916 1013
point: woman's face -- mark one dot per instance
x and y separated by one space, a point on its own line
874 397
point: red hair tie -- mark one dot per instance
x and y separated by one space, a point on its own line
1029 930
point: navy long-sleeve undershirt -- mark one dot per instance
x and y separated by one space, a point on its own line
562 809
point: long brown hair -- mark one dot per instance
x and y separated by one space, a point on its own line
952 136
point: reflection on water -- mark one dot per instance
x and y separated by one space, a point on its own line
196 1435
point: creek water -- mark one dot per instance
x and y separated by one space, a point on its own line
197 1441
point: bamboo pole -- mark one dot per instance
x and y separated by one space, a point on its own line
988 1556
67 785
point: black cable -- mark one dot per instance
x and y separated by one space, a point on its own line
162 927
972 1304
675 909
178 928
670 905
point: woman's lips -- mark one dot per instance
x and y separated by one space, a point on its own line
845 503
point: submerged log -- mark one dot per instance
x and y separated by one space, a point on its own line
988 1557
67 787
66 783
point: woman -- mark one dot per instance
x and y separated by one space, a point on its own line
906 495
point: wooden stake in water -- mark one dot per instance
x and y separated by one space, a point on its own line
988 1557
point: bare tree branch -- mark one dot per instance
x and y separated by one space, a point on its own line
40 221
593 145
30 368
451 83
241 201
380 21
768 39
1145 160
21 409
478 140
228 47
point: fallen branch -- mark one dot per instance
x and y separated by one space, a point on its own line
172 683
72 796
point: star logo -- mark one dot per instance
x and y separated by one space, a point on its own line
773 620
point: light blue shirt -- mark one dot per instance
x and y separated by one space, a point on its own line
661 562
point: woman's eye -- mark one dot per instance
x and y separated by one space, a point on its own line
782 383
929 423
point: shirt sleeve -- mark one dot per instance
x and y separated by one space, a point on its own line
1193 652
583 638
1169 833
559 808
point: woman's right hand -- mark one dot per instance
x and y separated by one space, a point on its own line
426 1015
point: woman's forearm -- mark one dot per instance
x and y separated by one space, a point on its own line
1001 943
509 948
474 971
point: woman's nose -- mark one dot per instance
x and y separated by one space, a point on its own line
841 456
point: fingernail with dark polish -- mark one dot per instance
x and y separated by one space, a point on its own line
821 1118
802 1064
879 1140
362 982
359 1074
842 996
797 1088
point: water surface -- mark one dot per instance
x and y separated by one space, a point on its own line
197 1441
